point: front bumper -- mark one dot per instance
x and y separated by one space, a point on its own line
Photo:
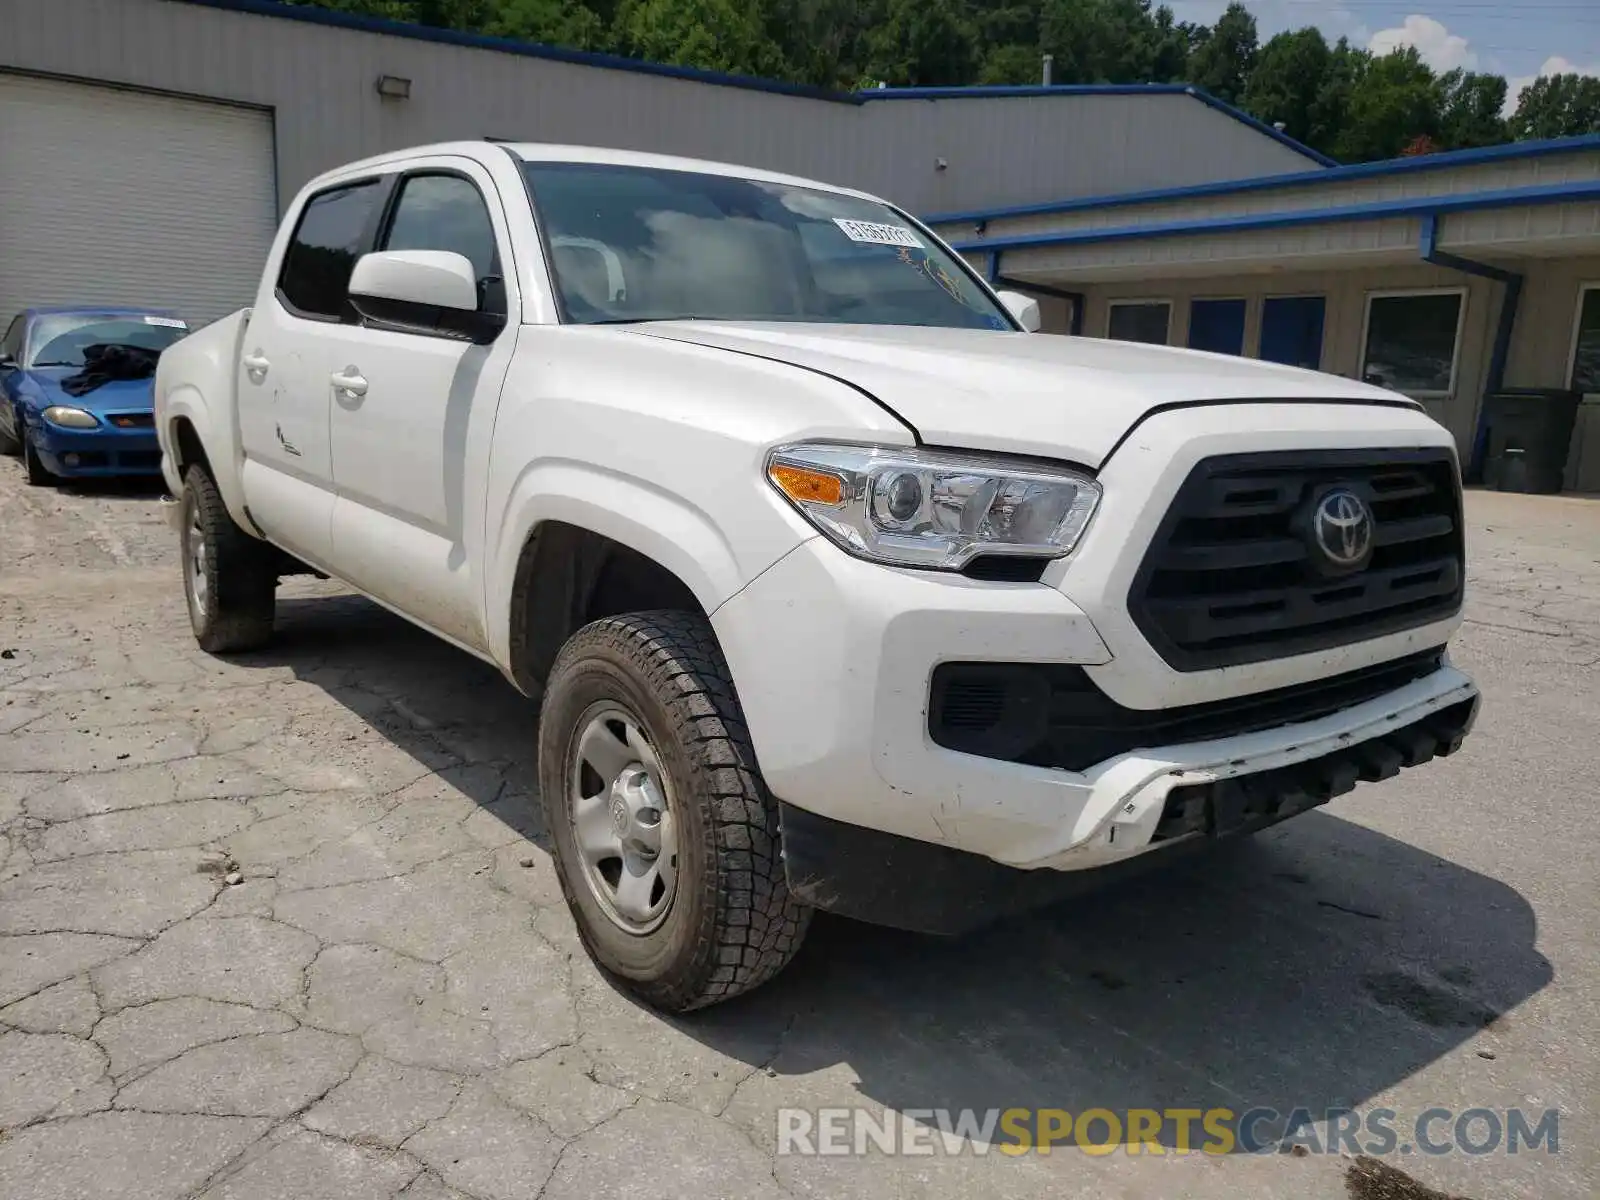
888 880
840 725
844 653
105 450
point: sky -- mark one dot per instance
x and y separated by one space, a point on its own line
1520 39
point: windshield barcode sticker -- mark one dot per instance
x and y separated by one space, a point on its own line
874 234
166 322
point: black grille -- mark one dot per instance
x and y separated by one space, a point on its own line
1247 802
1052 715
1232 575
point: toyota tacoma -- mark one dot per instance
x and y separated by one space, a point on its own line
839 585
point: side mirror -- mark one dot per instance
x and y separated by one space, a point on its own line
1024 308
8 361
422 291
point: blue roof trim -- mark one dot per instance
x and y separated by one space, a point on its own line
1412 206
479 41
992 91
1097 89
1393 166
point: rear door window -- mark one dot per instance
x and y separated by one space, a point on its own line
315 281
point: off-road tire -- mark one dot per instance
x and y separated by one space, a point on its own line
239 569
733 924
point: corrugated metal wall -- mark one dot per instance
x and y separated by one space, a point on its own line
320 83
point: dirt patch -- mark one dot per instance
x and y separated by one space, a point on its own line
1426 1003
1370 1179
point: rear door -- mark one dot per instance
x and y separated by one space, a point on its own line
283 389
411 423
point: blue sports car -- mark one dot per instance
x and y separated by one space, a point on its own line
77 390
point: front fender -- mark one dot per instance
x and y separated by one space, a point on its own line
655 523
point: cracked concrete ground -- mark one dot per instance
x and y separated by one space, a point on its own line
283 927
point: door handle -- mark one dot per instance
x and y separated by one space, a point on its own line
349 380
256 363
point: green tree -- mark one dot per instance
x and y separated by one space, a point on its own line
924 43
1395 99
1099 41
715 35
1469 109
1557 106
554 22
1012 63
1290 74
1223 62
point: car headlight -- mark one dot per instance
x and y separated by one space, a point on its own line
70 418
926 508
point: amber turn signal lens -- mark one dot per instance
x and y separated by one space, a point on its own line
805 486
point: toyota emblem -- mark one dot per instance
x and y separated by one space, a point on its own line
1342 526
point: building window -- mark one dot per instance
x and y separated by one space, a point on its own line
1585 373
1412 339
1140 321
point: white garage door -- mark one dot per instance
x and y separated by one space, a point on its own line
115 197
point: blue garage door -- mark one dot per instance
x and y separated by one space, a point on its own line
1291 330
1217 325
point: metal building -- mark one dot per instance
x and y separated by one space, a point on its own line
1448 276
147 146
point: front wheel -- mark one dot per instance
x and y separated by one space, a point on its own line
11 439
666 838
39 475
228 576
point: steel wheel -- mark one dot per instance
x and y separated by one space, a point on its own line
622 817
196 574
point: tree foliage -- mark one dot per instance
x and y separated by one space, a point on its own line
1339 99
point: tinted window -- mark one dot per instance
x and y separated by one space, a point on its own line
1411 342
643 244
316 269
12 344
1140 323
444 212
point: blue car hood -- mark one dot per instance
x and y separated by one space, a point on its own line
119 395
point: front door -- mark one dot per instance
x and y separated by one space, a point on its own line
412 416
282 385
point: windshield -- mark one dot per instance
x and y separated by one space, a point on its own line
59 339
645 244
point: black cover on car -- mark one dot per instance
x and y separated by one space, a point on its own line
106 361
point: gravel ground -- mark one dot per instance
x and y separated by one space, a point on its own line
283 927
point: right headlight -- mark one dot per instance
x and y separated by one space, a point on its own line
930 508
70 418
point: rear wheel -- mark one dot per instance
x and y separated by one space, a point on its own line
665 836
229 578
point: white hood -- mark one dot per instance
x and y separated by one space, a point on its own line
1065 397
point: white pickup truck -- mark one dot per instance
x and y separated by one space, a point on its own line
840 586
